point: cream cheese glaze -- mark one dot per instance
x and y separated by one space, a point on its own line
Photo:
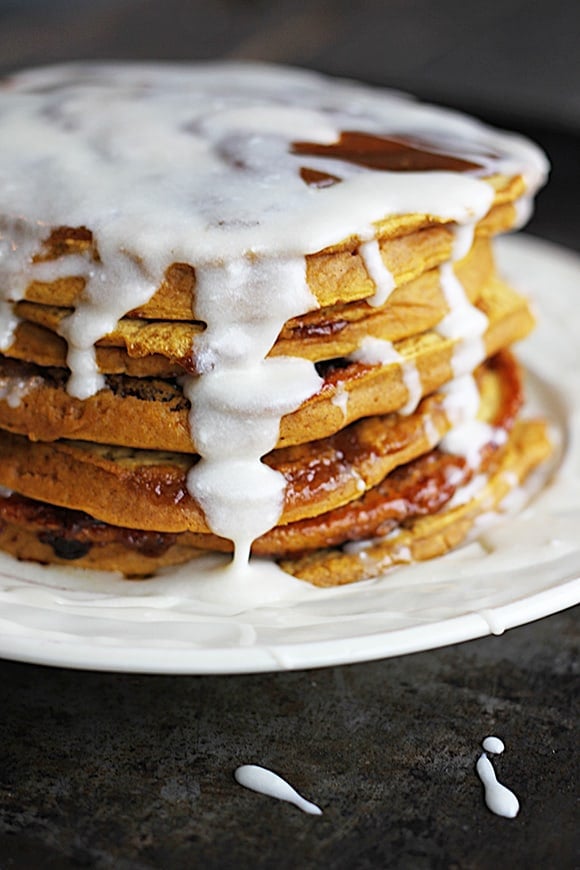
195 164
377 351
264 781
384 281
499 799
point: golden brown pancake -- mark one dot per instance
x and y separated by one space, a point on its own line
423 525
153 414
148 489
322 334
410 245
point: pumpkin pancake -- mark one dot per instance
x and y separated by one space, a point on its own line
322 334
148 489
410 245
417 521
154 414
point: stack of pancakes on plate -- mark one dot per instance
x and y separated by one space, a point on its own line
410 434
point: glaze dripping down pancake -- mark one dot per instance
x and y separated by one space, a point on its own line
289 339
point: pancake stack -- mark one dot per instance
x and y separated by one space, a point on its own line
306 355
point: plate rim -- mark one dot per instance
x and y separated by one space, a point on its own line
43 649
459 629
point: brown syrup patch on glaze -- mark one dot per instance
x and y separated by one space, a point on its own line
389 154
314 178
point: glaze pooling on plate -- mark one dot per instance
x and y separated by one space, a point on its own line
231 200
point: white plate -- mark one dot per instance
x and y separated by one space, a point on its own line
525 567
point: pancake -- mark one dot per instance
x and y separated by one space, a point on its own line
289 340
410 245
417 521
148 489
154 413
321 334
433 535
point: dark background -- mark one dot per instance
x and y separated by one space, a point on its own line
135 772
515 63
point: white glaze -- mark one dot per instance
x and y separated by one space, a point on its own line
239 399
470 490
431 432
464 323
340 399
193 164
463 241
412 381
242 407
493 745
375 266
467 435
461 399
8 323
499 799
376 351
14 389
469 439
265 782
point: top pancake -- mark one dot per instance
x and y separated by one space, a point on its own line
410 245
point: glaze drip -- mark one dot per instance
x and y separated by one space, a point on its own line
265 782
204 165
499 799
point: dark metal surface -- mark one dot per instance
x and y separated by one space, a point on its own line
135 772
